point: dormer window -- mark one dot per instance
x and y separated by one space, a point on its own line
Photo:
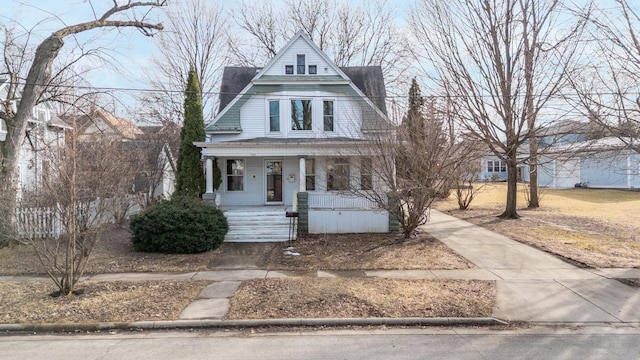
313 69
288 69
300 64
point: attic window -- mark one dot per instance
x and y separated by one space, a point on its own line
300 63
313 69
288 69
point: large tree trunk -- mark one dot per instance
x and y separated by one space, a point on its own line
512 189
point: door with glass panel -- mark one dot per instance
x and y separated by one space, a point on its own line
273 170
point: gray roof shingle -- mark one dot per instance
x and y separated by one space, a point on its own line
368 79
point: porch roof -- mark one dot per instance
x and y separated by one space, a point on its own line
265 146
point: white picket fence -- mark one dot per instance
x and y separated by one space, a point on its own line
38 222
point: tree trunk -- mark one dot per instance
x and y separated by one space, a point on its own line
512 189
534 201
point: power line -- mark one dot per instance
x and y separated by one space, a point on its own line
174 91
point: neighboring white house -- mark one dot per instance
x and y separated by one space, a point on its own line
45 132
292 132
600 163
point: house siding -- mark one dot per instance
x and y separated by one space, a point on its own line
608 170
255 181
365 118
311 58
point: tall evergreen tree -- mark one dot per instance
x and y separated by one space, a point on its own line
190 179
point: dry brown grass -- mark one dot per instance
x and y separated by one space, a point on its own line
361 297
118 301
366 251
112 254
595 227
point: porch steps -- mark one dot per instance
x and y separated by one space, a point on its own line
257 225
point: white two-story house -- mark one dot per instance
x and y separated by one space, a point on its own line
290 136
45 134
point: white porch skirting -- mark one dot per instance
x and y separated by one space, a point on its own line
343 213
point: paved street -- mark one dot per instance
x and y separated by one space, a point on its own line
540 343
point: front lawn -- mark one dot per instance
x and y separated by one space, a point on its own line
595 227
365 252
361 297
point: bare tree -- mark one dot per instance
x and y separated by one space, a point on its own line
76 195
607 91
350 34
500 63
24 93
413 165
195 37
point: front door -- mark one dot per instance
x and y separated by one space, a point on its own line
273 169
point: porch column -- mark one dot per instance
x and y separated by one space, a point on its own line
209 175
303 174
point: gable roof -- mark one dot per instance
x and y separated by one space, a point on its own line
234 79
368 79
123 127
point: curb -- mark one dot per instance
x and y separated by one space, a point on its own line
224 324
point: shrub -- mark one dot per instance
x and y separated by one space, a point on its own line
181 225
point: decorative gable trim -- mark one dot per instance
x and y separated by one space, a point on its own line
298 35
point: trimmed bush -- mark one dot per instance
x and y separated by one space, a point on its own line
181 225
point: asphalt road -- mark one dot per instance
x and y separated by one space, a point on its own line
541 343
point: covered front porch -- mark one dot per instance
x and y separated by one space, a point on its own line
314 178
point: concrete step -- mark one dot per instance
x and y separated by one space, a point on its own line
257 226
239 236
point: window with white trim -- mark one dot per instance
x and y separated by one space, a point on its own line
274 115
337 174
300 63
235 175
313 69
366 174
301 115
327 114
496 166
310 171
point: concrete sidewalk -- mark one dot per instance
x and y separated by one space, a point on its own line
535 286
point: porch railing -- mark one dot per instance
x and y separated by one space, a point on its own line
339 201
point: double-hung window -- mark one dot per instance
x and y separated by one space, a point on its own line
301 115
274 115
310 171
337 174
327 113
300 64
366 178
235 175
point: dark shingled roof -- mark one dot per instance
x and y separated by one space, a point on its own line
234 79
368 79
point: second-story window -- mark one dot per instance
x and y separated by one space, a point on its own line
274 115
327 112
301 115
300 64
